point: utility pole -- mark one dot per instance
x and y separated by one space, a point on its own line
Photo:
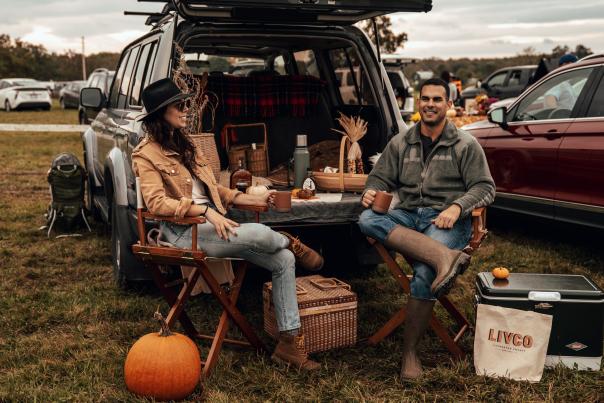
83 61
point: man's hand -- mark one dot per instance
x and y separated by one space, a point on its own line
368 198
447 218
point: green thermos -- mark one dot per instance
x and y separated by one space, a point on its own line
301 160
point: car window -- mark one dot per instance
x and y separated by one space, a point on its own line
554 98
355 90
596 109
307 63
117 82
126 78
515 78
497 80
139 77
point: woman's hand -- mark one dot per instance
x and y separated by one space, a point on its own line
221 224
266 199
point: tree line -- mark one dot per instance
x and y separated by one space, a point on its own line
23 59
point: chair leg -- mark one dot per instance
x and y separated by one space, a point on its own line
223 323
395 321
231 309
171 296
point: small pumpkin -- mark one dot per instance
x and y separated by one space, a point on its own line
305 194
164 365
257 190
500 273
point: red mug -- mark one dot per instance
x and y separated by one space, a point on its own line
283 201
382 201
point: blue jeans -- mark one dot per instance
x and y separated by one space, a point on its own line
378 226
258 244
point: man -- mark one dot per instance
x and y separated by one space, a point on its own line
562 96
440 174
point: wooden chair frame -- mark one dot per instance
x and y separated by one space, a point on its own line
156 256
479 232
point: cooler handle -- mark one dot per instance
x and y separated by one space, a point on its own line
325 284
543 296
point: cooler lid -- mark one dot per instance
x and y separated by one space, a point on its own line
519 285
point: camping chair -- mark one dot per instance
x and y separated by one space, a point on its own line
479 232
155 257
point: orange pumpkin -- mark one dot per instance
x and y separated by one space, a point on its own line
164 365
500 273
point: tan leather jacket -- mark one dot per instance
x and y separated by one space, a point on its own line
166 184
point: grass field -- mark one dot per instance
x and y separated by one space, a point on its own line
66 328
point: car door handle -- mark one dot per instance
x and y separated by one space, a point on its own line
552 134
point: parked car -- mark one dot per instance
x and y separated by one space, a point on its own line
403 90
24 93
101 79
546 149
69 96
313 41
503 83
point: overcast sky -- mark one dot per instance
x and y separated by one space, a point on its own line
454 28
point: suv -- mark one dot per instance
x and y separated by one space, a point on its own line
403 90
292 38
502 84
546 150
101 79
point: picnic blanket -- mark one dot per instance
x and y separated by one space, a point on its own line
266 95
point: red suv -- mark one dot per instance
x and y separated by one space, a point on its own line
546 150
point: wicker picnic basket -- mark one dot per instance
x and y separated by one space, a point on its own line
256 161
328 312
207 143
340 181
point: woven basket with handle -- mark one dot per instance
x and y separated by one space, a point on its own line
328 312
207 143
340 181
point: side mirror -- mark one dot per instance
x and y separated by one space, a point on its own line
91 97
497 116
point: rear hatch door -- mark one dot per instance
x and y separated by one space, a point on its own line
321 12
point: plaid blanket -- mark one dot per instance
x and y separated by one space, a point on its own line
266 95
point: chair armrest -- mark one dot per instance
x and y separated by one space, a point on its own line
182 221
258 209
477 212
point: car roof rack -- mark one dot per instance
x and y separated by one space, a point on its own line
153 18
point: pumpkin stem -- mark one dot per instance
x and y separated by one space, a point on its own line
165 329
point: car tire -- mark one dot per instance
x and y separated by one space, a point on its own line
82 118
7 106
62 102
119 252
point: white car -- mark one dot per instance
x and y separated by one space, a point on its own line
24 93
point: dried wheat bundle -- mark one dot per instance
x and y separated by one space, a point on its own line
354 128
201 101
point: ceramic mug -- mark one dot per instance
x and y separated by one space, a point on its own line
382 201
283 201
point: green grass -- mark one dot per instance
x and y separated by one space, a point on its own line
66 328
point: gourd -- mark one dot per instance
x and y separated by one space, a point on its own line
163 366
257 190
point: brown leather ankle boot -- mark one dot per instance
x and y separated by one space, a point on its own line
290 350
306 257
447 263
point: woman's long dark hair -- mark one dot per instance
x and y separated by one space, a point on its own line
172 139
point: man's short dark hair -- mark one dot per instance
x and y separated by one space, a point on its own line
437 82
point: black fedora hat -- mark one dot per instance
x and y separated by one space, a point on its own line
159 94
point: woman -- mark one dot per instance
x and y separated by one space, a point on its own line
176 180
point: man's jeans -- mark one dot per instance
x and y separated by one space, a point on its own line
258 244
378 226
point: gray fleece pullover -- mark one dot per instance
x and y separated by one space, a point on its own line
456 171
